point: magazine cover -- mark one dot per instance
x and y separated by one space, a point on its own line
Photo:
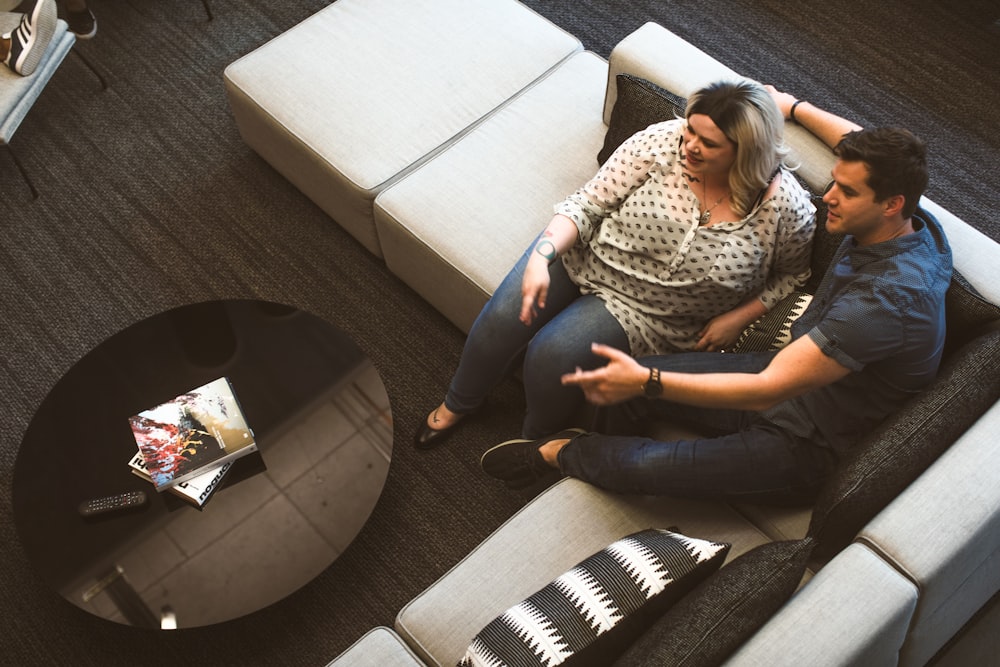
195 491
183 437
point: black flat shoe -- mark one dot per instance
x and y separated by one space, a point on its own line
429 438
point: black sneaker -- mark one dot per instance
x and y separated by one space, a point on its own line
83 24
31 37
518 463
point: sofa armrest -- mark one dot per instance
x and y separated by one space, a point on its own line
944 532
974 253
855 611
654 53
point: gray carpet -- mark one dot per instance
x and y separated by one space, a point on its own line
150 200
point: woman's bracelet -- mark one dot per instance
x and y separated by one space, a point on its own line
791 113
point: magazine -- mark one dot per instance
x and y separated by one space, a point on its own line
197 490
191 433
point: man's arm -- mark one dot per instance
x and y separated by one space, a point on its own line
828 127
798 368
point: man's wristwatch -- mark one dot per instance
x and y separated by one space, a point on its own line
653 388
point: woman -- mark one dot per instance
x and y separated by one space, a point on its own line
690 231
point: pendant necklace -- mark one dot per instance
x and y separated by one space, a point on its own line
706 217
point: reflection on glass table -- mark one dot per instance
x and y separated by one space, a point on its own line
279 517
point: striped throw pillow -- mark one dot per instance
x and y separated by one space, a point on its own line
593 612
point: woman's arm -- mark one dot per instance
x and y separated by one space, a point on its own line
559 236
625 171
722 331
828 127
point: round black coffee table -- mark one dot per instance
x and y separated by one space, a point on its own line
276 519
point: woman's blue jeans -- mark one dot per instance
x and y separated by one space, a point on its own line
555 343
750 458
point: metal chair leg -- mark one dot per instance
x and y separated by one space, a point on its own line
24 173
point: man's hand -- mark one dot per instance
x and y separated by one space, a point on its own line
783 100
619 381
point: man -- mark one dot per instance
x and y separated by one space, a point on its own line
871 338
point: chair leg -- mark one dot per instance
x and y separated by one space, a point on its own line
208 10
90 66
24 173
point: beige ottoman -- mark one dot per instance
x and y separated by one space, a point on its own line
357 95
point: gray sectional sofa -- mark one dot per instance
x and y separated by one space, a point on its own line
446 161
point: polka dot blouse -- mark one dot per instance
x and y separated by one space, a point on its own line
660 273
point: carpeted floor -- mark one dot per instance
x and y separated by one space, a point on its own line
150 200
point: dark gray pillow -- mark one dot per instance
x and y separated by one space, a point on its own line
879 467
713 620
592 613
639 104
968 314
824 246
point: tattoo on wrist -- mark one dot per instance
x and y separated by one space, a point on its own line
546 249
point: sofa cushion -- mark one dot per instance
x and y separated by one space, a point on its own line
878 468
591 613
725 610
640 103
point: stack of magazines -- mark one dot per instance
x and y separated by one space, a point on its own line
188 444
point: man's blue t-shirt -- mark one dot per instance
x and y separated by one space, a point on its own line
879 311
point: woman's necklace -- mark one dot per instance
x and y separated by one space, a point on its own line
706 216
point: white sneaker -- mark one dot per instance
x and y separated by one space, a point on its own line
30 39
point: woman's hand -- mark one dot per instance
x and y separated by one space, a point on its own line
722 331
534 288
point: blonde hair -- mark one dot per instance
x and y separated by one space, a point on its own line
745 112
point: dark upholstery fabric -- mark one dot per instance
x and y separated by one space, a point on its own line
968 313
591 614
824 246
886 462
712 621
639 104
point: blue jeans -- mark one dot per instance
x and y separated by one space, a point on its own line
556 342
749 459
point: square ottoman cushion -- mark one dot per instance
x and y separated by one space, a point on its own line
355 95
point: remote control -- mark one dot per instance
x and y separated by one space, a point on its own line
119 501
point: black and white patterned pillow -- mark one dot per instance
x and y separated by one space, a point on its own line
593 612
773 330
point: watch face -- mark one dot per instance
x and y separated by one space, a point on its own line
653 387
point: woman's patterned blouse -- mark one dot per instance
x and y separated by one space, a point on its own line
661 274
